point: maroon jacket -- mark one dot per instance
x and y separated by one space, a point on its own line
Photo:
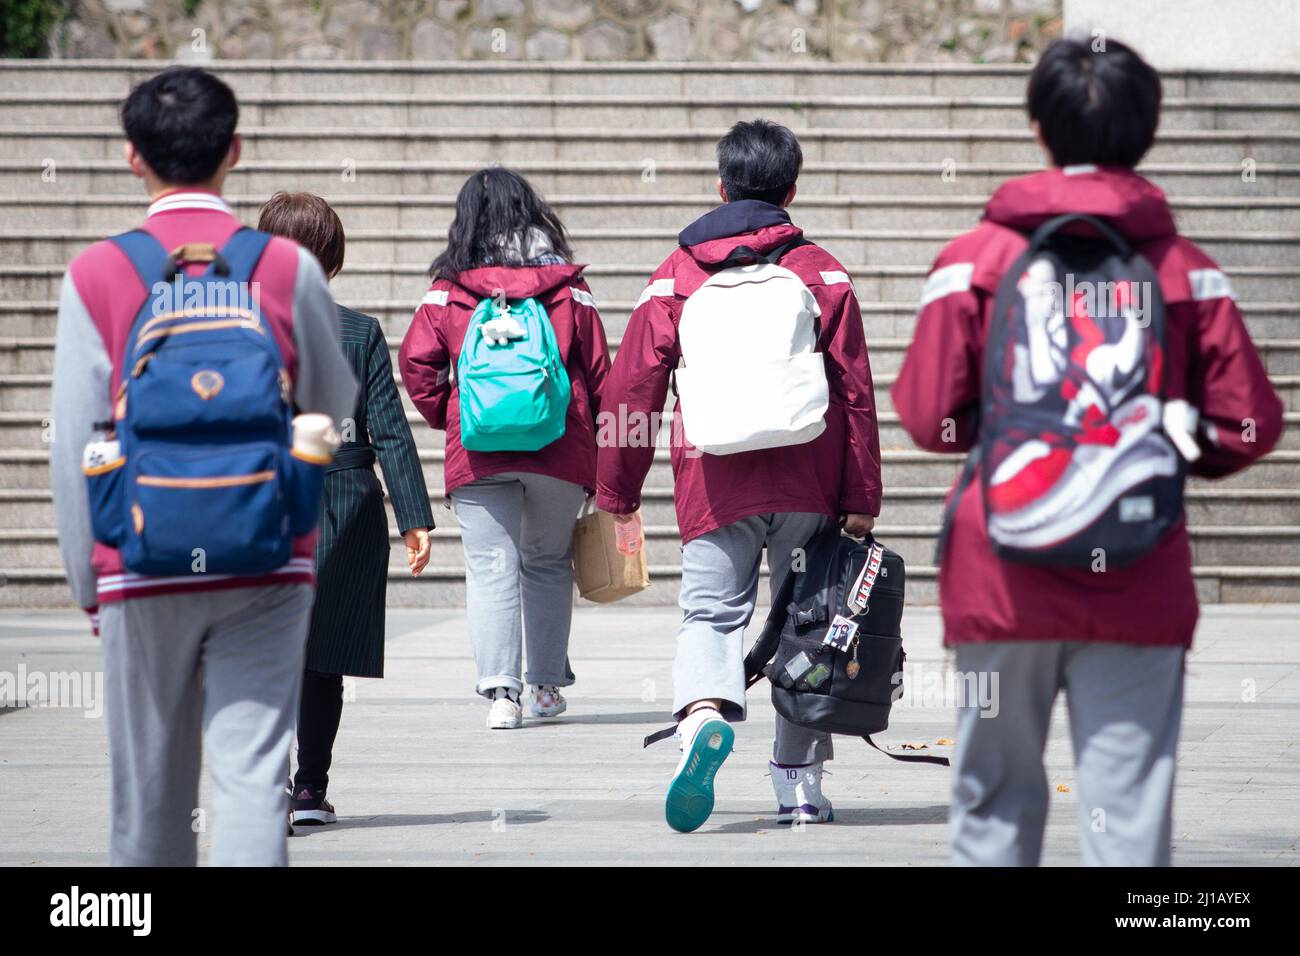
836 473
432 347
1209 360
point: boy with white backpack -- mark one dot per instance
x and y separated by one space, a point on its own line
774 436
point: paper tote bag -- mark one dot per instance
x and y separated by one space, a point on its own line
603 573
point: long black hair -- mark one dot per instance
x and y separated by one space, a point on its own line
495 208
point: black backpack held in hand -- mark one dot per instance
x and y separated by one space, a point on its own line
832 646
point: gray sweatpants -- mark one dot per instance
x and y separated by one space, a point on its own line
719 591
1125 704
219 671
517 530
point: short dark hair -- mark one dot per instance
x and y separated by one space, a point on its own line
759 160
181 121
1095 102
311 222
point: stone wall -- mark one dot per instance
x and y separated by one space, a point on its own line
988 31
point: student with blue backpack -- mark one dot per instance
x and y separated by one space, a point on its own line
507 355
1089 358
185 489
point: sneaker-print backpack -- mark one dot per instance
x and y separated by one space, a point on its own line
1075 460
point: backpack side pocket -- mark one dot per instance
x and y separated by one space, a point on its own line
105 484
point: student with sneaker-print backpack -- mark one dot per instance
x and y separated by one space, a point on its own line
507 355
774 440
189 346
1088 358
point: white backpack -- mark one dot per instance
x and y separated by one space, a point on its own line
750 375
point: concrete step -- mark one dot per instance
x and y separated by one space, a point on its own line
369 213
900 468
30 393
27 431
35 355
619 281
881 319
871 246
631 142
805 79
1246 547
445 586
1207 503
109 177
855 106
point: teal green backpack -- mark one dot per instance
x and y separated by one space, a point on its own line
514 390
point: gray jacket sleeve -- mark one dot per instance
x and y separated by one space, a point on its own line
325 382
82 376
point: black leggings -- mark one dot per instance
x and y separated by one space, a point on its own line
318 725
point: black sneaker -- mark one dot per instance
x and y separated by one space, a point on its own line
309 808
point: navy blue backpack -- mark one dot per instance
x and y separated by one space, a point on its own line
207 481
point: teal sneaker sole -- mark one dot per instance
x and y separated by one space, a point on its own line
690 795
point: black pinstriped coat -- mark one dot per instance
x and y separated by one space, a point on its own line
347 623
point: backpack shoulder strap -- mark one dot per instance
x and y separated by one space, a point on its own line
1039 237
908 758
746 256
145 253
240 255
764 647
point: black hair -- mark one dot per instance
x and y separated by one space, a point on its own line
759 160
495 207
181 122
1095 101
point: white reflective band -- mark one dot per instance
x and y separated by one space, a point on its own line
946 281
435 297
657 287
831 278
581 297
1209 284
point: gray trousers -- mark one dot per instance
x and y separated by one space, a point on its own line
719 591
517 530
220 670
1125 704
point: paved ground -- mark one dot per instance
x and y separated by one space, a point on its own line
419 780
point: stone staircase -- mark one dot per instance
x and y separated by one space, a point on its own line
624 153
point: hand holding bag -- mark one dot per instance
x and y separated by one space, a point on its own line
604 573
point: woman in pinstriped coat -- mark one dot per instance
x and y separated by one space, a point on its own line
347 625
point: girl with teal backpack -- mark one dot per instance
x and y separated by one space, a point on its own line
507 355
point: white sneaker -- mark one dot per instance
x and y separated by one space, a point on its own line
799 794
706 741
505 714
546 701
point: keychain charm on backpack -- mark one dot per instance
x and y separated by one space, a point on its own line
502 330
852 668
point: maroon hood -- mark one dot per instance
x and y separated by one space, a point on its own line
1135 206
518 282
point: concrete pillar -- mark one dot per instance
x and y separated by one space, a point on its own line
1197 34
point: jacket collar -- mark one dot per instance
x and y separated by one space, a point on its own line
189 200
